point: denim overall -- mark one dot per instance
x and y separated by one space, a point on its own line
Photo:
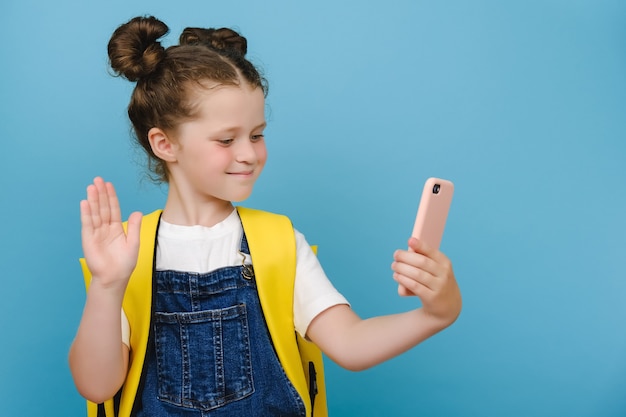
210 353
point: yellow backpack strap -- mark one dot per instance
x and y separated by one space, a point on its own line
272 246
313 365
137 305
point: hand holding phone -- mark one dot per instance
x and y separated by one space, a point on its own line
432 214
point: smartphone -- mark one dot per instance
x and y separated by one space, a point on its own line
431 215
433 211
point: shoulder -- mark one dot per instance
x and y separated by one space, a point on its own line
256 213
260 221
262 215
149 219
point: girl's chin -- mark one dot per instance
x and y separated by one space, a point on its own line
238 198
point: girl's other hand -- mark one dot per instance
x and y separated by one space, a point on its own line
110 252
428 274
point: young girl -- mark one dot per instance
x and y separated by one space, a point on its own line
203 347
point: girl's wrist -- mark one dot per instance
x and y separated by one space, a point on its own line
107 289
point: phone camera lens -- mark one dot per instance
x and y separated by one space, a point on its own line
436 188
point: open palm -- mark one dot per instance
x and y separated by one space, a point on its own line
110 251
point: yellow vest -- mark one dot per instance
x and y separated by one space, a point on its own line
273 251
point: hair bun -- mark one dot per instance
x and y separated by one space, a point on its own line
223 39
134 50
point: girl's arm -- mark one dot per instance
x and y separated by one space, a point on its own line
98 357
358 344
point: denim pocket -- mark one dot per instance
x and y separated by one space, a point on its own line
203 357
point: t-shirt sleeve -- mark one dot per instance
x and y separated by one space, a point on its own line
125 329
313 291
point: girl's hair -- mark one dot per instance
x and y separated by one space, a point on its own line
167 78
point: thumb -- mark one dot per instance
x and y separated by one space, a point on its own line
134 227
419 246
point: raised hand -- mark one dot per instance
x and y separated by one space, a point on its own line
110 252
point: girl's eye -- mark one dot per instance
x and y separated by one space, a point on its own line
256 138
225 141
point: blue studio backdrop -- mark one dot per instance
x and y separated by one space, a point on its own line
521 103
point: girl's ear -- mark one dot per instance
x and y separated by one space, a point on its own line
161 145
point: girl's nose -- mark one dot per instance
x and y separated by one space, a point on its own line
245 152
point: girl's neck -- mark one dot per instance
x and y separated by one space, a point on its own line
192 211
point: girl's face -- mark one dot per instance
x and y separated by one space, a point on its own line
221 154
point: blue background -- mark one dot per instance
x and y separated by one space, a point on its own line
521 103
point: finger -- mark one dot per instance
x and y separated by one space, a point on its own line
412 286
415 274
134 227
105 209
419 246
439 258
114 204
85 216
417 260
404 291
93 199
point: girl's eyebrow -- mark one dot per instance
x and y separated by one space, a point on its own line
236 128
232 130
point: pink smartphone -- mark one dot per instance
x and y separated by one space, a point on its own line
431 215
433 211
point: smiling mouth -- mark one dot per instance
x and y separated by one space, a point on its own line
243 174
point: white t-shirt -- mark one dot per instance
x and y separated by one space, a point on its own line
203 249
